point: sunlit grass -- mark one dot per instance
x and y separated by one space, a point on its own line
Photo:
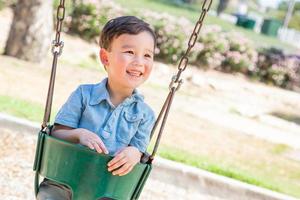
253 177
280 148
22 108
289 117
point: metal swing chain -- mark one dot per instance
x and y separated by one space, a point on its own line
176 81
57 47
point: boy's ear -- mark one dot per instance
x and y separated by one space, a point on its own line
104 56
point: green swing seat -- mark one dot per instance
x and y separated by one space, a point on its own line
85 171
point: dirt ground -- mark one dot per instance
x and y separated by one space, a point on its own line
225 118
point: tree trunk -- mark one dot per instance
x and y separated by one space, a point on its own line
30 33
222 6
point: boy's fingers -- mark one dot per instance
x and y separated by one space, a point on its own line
117 164
97 147
102 146
104 149
115 159
123 170
126 171
90 145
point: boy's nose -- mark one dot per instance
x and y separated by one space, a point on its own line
139 61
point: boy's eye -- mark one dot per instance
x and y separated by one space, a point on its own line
148 56
130 52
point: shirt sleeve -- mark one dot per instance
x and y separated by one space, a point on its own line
70 113
141 139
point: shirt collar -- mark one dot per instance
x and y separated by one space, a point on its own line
100 93
135 97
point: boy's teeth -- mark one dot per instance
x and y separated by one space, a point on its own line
134 73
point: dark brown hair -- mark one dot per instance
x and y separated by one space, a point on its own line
123 25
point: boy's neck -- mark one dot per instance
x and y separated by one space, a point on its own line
118 95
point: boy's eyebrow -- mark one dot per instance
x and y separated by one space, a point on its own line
126 46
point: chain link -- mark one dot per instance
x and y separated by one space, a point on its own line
192 41
57 45
206 5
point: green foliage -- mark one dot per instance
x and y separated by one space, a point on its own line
171 35
225 51
283 6
68 7
276 68
88 19
86 22
295 21
6 3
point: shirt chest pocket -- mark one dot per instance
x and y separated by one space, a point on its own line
128 126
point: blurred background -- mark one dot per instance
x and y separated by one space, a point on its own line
236 115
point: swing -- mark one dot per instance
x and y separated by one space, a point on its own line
83 170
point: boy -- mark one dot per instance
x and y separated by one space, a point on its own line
111 116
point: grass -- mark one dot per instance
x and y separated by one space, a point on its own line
22 108
288 117
89 62
229 170
193 14
280 148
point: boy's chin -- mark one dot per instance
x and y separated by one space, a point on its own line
133 86
135 83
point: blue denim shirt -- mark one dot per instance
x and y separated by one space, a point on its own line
129 123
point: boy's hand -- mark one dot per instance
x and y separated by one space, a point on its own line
124 161
91 140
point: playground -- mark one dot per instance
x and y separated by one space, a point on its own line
223 123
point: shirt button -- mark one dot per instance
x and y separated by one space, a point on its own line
105 134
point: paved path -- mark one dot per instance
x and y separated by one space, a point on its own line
264 126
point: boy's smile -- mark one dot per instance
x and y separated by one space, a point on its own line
129 61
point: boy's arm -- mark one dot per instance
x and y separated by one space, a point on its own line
141 139
65 133
126 159
79 135
67 120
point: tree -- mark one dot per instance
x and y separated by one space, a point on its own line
31 30
284 6
222 6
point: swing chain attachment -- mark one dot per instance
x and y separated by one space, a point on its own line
57 45
173 81
57 48
192 41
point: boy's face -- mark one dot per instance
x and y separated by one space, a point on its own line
129 61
